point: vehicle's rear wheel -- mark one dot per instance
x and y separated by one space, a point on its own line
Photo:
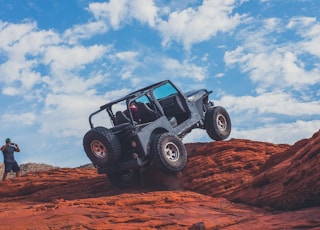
124 179
217 123
101 146
168 153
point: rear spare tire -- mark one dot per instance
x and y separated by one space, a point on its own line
217 123
168 153
101 146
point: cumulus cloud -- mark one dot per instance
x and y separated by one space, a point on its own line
278 67
279 133
22 118
274 64
66 115
43 66
185 25
130 60
27 50
279 103
84 31
117 12
22 46
155 64
194 25
11 33
283 133
184 69
63 58
309 30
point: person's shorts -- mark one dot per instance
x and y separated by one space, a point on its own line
11 166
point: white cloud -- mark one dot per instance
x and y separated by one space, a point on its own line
11 33
23 118
287 133
134 62
65 62
22 45
188 26
17 70
122 11
144 10
67 58
312 45
300 21
68 97
279 103
274 64
10 91
196 135
185 69
130 60
191 26
84 31
67 115
20 41
279 133
219 75
278 68
127 55
115 11
26 48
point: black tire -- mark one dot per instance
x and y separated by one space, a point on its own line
168 153
101 146
125 179
217 123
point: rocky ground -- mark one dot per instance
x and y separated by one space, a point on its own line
29 167
235 184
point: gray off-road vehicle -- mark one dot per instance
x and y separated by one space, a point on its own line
145 129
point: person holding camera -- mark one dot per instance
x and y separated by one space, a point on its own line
9 162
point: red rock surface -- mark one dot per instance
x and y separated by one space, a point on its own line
288 180
216 173
216 168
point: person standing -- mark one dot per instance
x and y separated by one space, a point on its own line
9 162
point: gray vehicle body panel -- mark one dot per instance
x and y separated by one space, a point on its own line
191 108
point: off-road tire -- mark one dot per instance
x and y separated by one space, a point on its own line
168 153
217 123
125 179
101 146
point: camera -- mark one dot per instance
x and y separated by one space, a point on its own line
13 144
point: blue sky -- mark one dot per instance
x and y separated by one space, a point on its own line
61 60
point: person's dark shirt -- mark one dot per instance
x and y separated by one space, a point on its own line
8 153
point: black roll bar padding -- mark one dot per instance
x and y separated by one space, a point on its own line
102 107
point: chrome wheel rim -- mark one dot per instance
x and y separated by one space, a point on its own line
172 152
98 149
222 122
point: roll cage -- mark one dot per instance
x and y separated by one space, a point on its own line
160 98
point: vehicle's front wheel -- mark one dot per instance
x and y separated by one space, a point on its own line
125 179
168 153
101 146
217 123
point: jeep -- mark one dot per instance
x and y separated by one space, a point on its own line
145 129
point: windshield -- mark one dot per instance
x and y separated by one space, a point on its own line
164 91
